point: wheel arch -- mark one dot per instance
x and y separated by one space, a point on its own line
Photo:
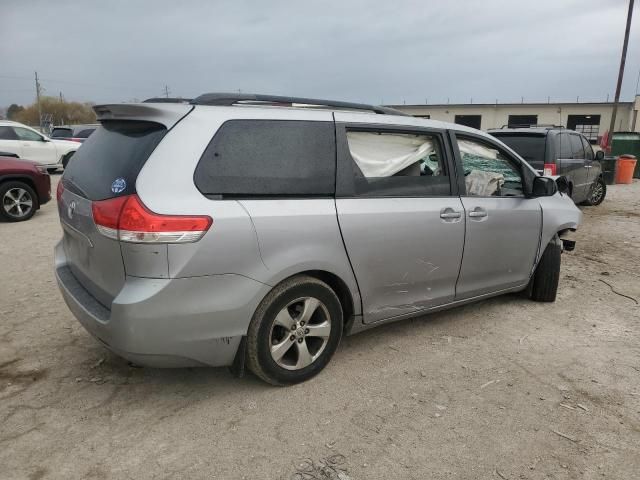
340 288
24 179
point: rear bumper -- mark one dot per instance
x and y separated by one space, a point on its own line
167 322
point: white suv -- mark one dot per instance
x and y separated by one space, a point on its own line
22 141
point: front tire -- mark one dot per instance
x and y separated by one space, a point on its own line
597 193
295 331
544 283
18 201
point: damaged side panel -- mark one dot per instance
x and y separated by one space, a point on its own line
559 213
404 255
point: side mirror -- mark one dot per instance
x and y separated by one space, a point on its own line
600 155
543 187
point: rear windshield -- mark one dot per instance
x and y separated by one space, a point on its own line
529 147
61 133
109 161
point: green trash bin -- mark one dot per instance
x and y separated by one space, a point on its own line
627 143
609 169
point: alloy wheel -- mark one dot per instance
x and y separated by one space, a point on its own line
299 333
17 202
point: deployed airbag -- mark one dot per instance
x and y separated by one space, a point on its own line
384 155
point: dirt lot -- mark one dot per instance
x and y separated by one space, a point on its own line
504 389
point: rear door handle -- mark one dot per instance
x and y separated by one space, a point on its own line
478 213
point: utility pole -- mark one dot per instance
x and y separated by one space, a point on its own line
166 91
38 87
623 59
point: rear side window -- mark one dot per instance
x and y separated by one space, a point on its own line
269 158
61 133
7 133
117 150
529 147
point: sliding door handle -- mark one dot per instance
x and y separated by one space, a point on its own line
478 213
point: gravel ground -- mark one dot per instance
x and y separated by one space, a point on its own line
505 389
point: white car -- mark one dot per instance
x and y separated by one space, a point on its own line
22 141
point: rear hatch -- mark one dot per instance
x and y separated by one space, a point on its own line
106 167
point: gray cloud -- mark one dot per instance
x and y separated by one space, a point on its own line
369 51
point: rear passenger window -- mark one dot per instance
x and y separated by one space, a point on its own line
577 149
269 158
588 151
564 146
397 164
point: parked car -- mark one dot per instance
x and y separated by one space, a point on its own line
26 142
24 187
558 151
283 228
73 133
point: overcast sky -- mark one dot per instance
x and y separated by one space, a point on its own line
373 51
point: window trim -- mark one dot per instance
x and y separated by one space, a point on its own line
345 184
526 172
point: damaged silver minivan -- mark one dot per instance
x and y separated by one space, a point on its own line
235 230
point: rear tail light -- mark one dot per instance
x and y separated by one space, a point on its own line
59 191
549 169
73 139
127 219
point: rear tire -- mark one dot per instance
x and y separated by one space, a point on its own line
18 201
544 283
597 192
295 331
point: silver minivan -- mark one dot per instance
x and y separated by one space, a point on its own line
253 230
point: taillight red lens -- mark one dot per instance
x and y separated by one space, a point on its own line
106 214
127 219
549 169
59 190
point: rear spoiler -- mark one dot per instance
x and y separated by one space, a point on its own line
167 114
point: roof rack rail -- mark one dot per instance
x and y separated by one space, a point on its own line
229 99
167 100
548 126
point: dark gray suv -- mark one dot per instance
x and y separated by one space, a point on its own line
558 151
